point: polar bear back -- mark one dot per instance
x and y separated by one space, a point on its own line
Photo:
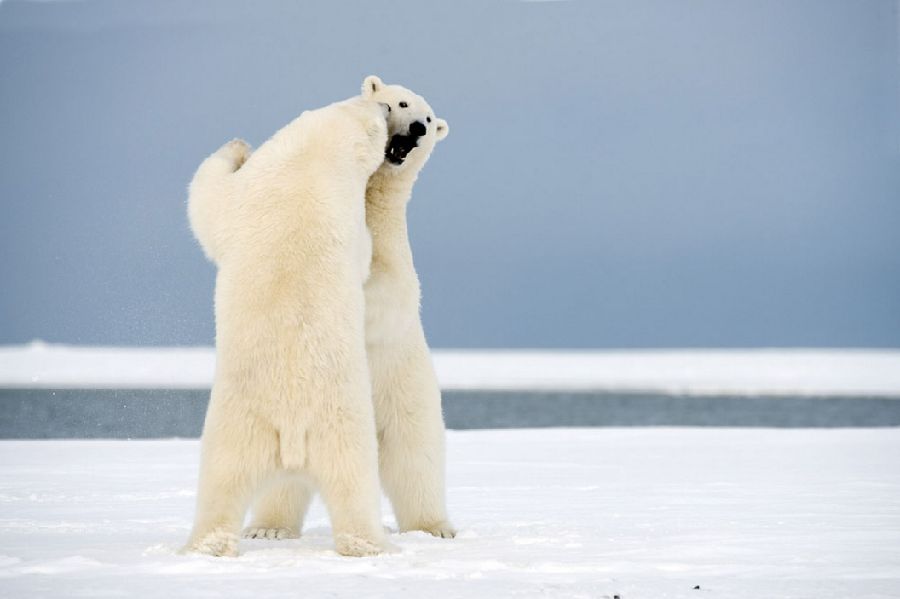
299 245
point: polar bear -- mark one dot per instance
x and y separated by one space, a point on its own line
406 395
291 397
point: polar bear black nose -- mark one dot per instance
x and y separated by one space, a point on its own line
417 128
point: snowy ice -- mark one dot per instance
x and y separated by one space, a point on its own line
542 513
735 372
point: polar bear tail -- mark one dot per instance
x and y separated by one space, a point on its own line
209 195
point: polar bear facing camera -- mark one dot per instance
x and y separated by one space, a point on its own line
406 395
404 386
291 396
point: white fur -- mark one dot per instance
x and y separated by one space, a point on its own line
405 390
291 396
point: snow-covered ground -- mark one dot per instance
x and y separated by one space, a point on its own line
732 372
542 513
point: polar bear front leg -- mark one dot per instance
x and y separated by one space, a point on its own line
236 456
209 195
279 511
366 134
411 435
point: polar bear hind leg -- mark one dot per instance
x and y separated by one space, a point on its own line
411 437
236 457
343 462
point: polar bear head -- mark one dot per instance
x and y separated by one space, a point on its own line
413 129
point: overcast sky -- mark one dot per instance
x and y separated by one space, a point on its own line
618 174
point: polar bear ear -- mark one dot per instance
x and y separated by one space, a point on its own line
442 129
371 85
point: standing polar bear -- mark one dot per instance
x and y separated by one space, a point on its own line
404 386
292 396
406 395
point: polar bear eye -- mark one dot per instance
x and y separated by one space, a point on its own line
428 119
403 104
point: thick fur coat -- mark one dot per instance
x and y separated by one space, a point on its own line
292 394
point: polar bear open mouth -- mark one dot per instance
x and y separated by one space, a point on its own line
399 147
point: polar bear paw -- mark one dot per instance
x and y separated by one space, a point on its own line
218 543
355 546
377 130
236 152
262 532
442 529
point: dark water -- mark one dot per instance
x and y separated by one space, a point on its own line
152 413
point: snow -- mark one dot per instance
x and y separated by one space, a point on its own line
732 372
752 372
552 513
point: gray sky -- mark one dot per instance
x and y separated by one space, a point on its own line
618 174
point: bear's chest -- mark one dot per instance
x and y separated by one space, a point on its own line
392 305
